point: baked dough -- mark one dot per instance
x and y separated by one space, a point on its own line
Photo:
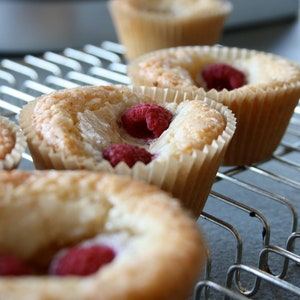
12 144
7 139
178 67
84 121
178 8
160 253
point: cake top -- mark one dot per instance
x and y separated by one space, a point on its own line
7 140
180 67
12 144
85 121
179 7
144 226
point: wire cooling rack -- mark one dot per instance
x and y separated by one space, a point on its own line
251 217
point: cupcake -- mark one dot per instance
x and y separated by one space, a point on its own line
92 235
260 88
160 136
12 144
143 26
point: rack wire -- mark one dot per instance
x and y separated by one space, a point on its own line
251 216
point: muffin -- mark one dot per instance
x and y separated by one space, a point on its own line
12 144
83 219
143 26
260 88
150 134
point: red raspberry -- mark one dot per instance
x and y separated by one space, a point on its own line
146 120
223 76
13 266
128 153
82 261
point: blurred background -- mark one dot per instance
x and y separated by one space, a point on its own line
31 26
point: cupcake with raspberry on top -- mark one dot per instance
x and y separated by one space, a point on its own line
91 235
260 88
160 136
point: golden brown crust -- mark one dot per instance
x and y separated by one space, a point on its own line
84 121
7 139
194 126
177 8
44 210
178 67
12 144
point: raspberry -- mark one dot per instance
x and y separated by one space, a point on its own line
82 261
128 153
223 76
146 120
13 266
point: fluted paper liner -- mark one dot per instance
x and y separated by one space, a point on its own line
188 177
262 118
142 31
13 158
263 109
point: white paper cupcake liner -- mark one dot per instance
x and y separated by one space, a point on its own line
142 31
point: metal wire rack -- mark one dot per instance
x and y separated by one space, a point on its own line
251 217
